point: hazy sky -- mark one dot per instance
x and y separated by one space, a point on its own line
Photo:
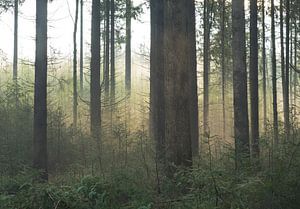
60 28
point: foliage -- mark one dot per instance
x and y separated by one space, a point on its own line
208 185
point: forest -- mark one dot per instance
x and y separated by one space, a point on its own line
149 104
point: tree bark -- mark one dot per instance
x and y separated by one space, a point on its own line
223 68
157 104
128 47
274 74
95 105
287 73
15 58
192 66
75 93
241 122
206 66
254 79
264 66
112 55
179 65
81 46
40 92
106 70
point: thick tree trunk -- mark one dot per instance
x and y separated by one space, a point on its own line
179 65
75 93
15 58
95 108
81 46
40 92
254 79
241 122
274 72
128 47
192 66
157 104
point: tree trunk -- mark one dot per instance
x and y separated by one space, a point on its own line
128 47
106 70
15 58
95 108
40 92
223 69
295 64
274 72
112 55
81 46
157 104
75 93
192 66
179 65
287 74
264 66
241 122
254 79
206 66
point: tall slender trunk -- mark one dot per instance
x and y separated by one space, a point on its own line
75 93
112 60
192 66
254 79
95 88
282 56
15 58
128 47
274 74
241 122
106 70
81 46
112 55
223 69
264 66
287 73
206 66
40 156
295 63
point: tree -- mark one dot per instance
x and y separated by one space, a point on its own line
40 91
112 55
286 100
15 59
274 73
106 70
179 68
206 63
192 67
223 73
81 47
173 82
95 108
241 123
157 105
264 66
75 93
254 79
128 46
